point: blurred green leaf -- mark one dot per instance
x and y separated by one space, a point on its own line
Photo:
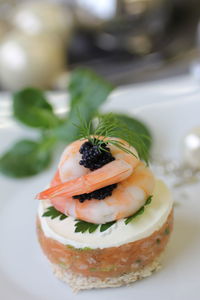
88 92
26 158
31 108
137 126
140 128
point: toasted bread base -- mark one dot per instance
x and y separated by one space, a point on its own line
80 282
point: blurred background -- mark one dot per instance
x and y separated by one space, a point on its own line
126 41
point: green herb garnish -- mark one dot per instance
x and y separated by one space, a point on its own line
139 212
148 201
80 226
87 92
53 213
26 158
110 127
31 108
135 125
106 226
83 226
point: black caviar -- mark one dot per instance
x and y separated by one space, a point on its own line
98 194
94 158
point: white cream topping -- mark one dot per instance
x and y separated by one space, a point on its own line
152 219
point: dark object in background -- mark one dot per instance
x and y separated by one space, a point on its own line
134 26
136 41
130 26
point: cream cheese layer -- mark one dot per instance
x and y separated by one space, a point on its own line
142 226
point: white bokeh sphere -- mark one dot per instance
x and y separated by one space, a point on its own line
38 17
192 148
30 60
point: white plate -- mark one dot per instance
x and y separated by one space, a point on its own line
24 271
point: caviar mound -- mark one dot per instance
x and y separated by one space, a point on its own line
94 157
99 194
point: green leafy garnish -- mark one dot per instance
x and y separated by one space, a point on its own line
53 213
110 127
105 226
80 226
83 226
139 212
31 108
135 125
130 219
26 158
88 92
148 201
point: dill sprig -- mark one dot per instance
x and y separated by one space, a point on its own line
105 128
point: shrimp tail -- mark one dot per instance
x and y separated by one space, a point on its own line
113 172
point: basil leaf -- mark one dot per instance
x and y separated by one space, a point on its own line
31 108
26 158
138 127
87 92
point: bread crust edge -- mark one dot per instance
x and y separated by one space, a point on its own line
80 282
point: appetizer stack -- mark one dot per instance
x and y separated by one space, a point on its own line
105 220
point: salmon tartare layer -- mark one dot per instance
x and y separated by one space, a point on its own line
107 262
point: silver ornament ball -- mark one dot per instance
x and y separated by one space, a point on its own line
30 60
192 148
43 17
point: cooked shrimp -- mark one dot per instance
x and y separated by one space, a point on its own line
69 167
129 196
111 173
135 184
